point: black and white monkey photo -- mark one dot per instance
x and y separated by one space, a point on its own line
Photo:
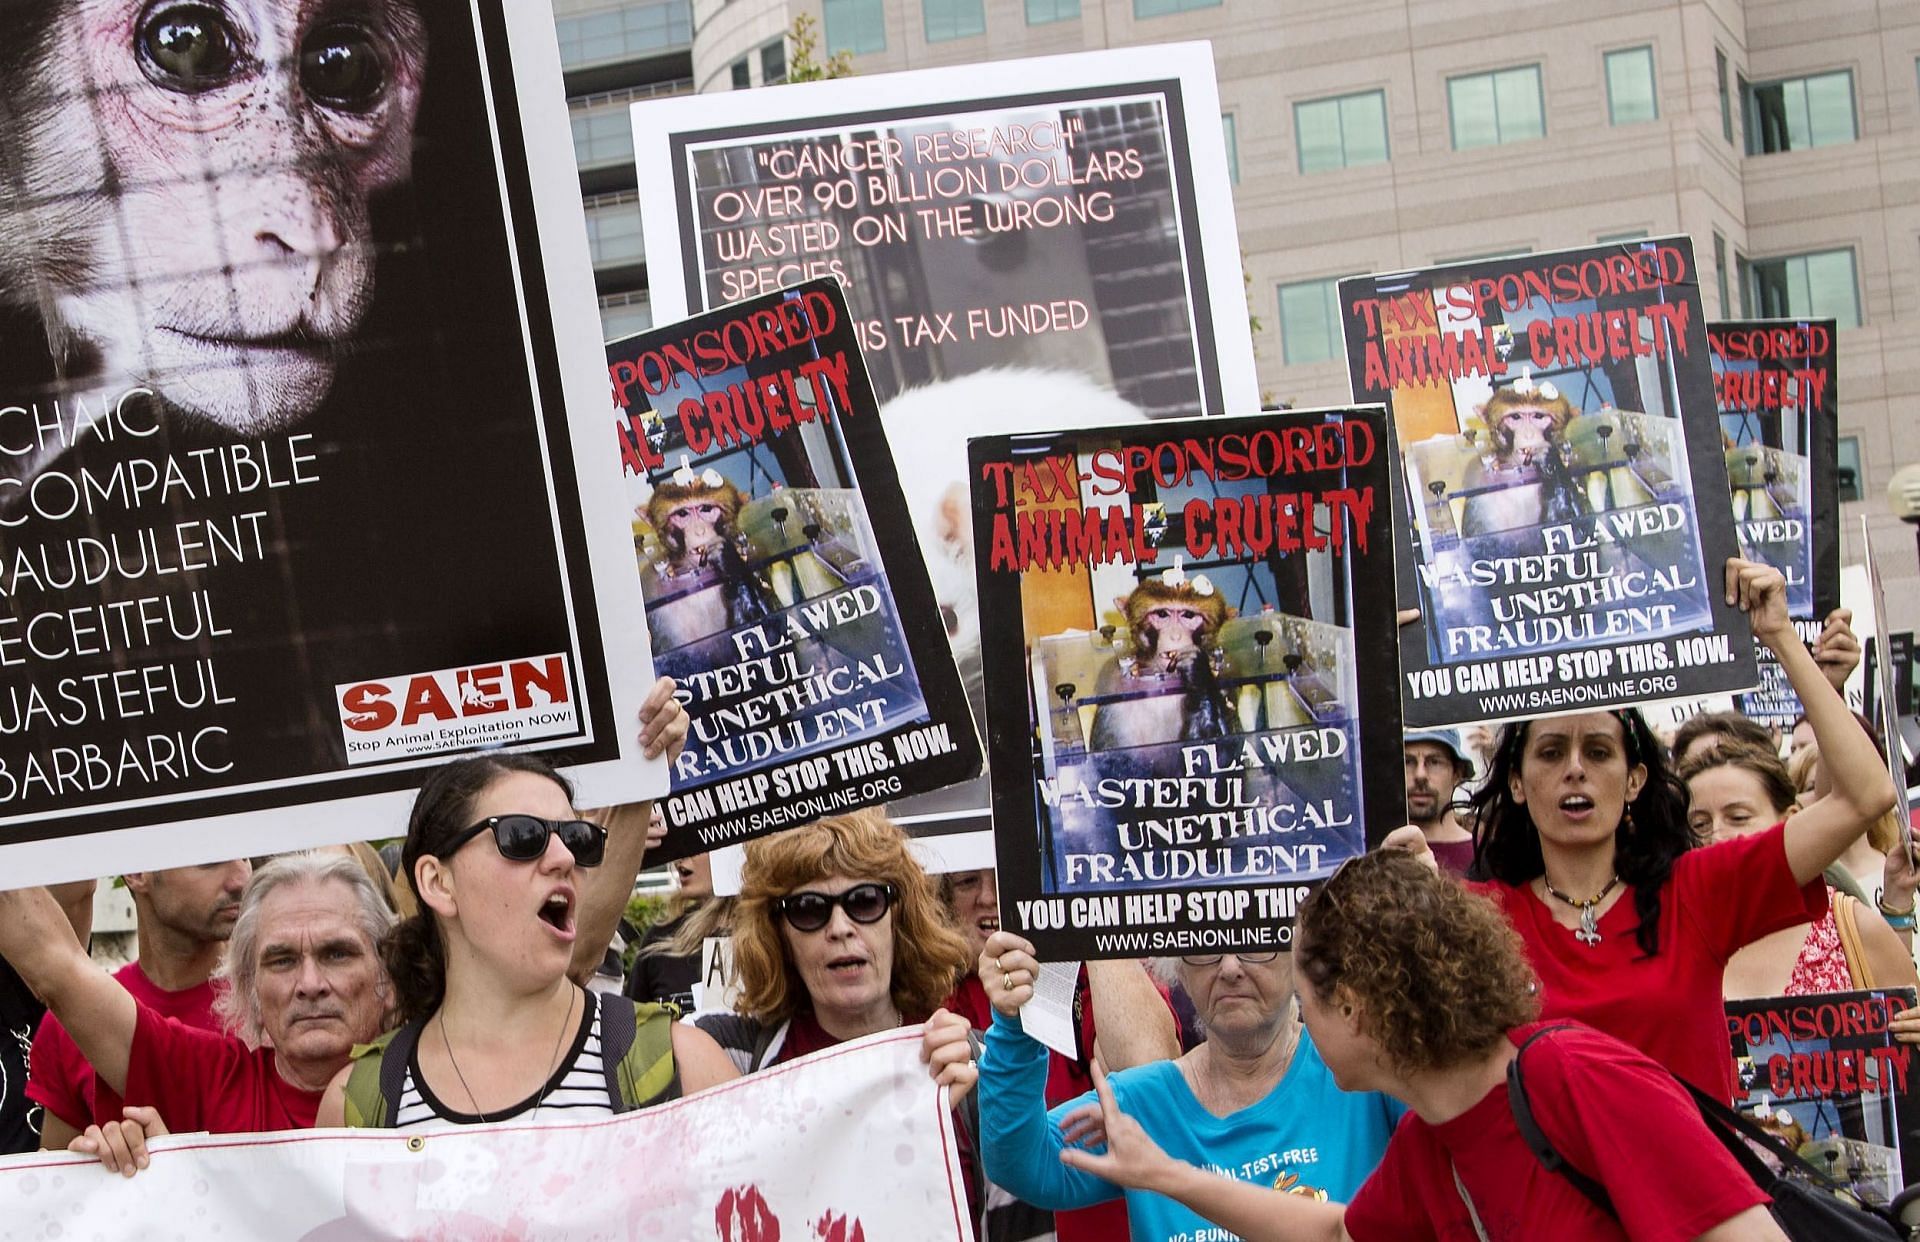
185 190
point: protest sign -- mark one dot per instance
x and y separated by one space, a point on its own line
679 1170
1555 422
1779 420
1181 736
303 487
784 589
1826 1076
1025 245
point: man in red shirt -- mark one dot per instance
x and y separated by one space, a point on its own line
184 918
306 985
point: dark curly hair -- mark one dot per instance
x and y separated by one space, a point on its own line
1437 972
1649 840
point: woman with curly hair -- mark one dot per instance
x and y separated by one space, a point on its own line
1413 986
837 933
1585 844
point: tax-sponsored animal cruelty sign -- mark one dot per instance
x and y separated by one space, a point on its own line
300 487
1780 423
1184 732
1557 433
784 590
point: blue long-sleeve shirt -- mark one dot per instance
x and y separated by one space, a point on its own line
1307 1136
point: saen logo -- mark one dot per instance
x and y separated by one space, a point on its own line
457 708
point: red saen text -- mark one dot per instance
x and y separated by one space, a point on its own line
455 694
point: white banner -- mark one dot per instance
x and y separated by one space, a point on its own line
849 1144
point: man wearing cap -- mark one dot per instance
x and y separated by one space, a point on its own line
1436 766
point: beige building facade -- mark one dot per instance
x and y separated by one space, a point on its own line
1381 134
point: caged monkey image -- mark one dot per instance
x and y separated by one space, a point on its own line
184 195
1170 663
1526 476
703 564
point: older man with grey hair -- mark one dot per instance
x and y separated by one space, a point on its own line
305 986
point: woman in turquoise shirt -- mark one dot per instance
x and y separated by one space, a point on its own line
1253 1101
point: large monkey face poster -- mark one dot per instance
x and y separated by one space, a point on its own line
1556 423
1183 735
1025 245
292 297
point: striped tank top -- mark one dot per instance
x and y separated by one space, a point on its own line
576 1092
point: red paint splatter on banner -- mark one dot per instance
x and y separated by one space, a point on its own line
743 1216
831 1228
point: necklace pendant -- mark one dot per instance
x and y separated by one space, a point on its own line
1588 933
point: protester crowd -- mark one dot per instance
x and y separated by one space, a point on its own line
1575 894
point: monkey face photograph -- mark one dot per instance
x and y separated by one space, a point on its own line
190 188
1194 716
278 307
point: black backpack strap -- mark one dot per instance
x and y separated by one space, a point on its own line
617 1029
393 1066
1740 1134
1536 1138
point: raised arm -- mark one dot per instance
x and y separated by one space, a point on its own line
1132 1022
36 938
1020 1144
605 889
1817 835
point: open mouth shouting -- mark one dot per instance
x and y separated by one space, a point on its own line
557 912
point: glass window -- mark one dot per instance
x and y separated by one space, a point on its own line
1232 130
624 314
1847 476
773 63
742 75
1488 109
857 26
602 136
1630 93
1720 273
1614 239
1797 113
1161 8
1043 12
613 230
1310 321
614 34
1344 132
953 19
1808 286
1726 100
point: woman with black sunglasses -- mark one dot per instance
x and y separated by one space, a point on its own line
508 876
837 933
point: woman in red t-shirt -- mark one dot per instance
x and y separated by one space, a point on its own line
1736 790
1412 986
1585 844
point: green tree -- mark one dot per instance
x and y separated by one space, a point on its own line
803 40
